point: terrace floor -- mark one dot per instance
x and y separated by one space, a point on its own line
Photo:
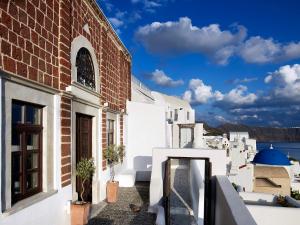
119 213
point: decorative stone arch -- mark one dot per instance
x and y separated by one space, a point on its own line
77 44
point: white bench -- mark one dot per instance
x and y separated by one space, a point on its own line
126 178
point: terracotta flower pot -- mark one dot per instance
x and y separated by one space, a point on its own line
80 213
112 191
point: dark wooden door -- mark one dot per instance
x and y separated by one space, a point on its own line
83 150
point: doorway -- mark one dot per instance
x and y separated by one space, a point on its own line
186 135
187 191
83 150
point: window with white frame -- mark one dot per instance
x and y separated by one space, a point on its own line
187 115
30 142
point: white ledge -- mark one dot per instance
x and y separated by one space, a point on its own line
28 202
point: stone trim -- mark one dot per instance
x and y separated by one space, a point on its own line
29 83
27 202
78 43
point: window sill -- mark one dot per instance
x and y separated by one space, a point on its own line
84 88
28 202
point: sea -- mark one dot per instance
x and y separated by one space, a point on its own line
289 148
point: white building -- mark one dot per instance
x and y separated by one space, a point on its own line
180 119
157 120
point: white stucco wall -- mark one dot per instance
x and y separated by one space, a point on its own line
197 188
53 210
229 207
270 215
238 136
146 130
244 178
198 136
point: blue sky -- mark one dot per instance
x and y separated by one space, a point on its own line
234 61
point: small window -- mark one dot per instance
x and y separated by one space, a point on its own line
110 132
26 150
176 115
188 116
171 114
85 68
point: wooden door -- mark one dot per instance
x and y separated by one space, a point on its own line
83 150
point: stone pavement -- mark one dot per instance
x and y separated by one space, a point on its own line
120 214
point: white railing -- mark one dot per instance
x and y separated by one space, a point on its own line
139 84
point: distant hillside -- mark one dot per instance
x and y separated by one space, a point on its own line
258 133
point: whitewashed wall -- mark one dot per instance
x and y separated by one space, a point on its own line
53 210
146 130
197 188
229 207
270 215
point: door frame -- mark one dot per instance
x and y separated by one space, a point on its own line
207 189
190 126
78 153
95 113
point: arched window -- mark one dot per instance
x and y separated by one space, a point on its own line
85 68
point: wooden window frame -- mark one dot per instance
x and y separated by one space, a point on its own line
24 130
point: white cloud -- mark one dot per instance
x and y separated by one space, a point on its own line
239 96
286 83
246 117
277 105
149 5
179 37
221 119
260 50
244 80
182 37
116 22
218 95
198 92
108 5
160 78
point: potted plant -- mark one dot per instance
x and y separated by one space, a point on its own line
282 201
114 154
85 169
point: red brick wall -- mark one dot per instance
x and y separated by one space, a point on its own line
29 33
35 44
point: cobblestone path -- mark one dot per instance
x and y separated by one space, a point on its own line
120 214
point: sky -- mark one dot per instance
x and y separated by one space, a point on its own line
234 61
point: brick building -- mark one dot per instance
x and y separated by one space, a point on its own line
65 77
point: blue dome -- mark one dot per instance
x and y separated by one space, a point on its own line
271 157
